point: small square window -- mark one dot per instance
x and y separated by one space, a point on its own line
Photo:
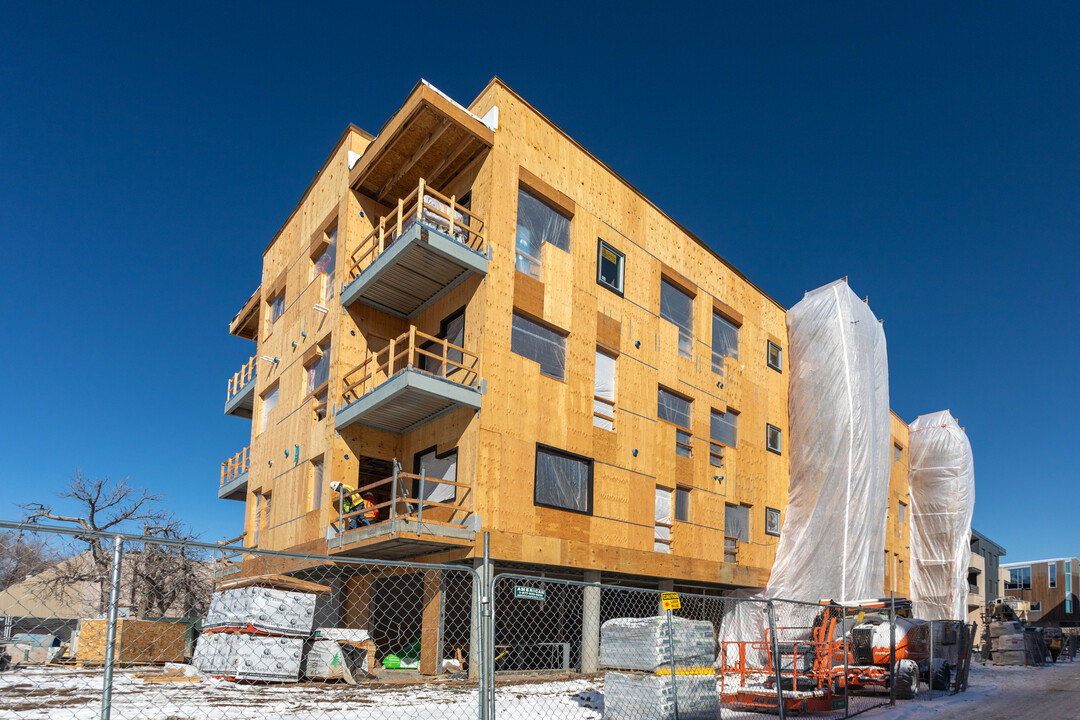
897 452
737 522
682 504
540 344
683 445
775 357
609 267
772 522
773 441
1036 606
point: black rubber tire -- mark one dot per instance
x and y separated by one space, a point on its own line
906 680
942 676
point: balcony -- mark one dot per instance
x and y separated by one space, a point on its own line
406 526
240 396
228 561
423 248
411 380
234 476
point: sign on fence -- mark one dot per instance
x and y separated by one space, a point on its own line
526 592
670 601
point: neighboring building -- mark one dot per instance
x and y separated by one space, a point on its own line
898 523
1049 588
984 574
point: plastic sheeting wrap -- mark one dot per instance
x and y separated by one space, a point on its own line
942 478
833 542
653 697
645 643
249 657
280 612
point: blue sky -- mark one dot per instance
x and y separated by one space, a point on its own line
929 151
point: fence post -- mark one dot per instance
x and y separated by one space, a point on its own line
488 625
932 673
844 632
770 610
110 638
671 649
892 648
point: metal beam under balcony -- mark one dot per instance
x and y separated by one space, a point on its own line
415 254
411 380
406 401
234 476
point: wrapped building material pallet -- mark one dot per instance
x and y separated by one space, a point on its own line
643 643
840 443
942 478
244 656
629 696
264 610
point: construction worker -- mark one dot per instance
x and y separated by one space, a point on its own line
352 501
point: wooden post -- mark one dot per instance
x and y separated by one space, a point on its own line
356 608
430 632
453 198
382 234
400 212
390 359
444 353
420 202
412 345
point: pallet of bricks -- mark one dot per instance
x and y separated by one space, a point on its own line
641 684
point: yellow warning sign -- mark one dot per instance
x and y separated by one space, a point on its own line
670 601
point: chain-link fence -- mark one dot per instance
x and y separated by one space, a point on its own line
144 628
122 626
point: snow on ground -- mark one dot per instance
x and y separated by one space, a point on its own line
49 693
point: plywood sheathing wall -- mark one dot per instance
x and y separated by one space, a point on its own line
523 407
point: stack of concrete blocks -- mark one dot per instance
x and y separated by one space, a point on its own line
644 686
1007 643
255 633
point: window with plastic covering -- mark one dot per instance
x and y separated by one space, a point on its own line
682 504
317 370
676 409
901 517
540 344
737 522
725 341
604 392
563 480
316 483
677 307
452 330
322 265
436 467
662 521
723 430
269 402
537 223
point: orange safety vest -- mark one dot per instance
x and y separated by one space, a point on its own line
370 514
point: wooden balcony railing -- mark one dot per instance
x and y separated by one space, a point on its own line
427 206
399 505
416 350
235 466
241 378
223 559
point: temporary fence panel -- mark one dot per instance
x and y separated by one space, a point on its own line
566 649
175 630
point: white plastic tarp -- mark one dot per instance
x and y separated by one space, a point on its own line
604 389
662 518
443 468
942 475
833 542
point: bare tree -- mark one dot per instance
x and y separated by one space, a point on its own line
23 555
167 578
103 505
